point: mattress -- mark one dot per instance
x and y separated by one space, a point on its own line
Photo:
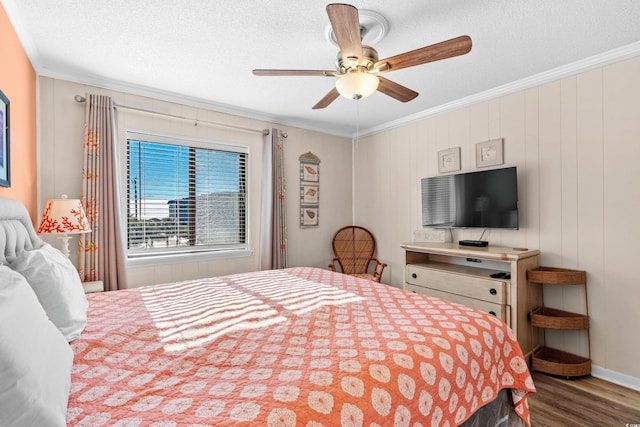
298 346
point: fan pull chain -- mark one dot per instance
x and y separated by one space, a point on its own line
357 122
354 147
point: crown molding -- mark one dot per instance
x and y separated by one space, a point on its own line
596 61
587 64
190 101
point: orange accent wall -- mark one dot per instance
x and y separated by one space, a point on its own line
18 83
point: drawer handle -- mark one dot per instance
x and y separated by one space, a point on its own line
493 291
414 275
493 313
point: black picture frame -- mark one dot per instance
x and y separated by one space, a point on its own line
5 164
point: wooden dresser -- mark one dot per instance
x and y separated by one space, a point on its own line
492 279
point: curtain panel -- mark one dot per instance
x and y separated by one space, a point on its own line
273 247
100 253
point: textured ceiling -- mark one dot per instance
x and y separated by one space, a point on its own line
202 52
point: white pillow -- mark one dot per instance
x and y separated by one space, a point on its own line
57 284
35 359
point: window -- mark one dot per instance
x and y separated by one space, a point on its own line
184 196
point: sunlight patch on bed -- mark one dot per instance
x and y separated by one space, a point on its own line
192 314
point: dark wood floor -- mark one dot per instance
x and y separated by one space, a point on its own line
585 401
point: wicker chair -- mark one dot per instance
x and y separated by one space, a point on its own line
353 248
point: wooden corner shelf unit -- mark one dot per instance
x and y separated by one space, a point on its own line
550 360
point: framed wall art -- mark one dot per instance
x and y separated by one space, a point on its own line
5 176
449 160
489 153
309 190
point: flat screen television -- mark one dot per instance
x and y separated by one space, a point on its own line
484 199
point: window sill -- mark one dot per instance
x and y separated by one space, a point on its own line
187 257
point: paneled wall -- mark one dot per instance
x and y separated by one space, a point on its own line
576 145
60 153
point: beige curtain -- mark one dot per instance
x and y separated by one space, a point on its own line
100 253
273 248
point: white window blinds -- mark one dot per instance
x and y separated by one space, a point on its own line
184 196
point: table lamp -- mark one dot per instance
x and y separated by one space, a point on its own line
64 216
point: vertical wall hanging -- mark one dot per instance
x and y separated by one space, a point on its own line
309 190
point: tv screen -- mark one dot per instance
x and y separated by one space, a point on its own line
484 199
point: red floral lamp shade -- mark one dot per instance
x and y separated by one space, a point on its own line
64 216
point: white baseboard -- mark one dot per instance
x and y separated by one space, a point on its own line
616 377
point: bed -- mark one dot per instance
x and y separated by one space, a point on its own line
298 346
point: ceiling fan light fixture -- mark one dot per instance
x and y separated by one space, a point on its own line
357 85
357 63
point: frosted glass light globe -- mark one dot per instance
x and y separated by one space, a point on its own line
357 85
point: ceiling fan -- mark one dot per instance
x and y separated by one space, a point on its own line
357 66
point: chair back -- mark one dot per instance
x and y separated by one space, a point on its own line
353 247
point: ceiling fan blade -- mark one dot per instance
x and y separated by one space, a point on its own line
322 73
435 52
346 27
328 99
395 90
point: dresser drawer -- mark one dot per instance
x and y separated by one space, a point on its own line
499 310
489 290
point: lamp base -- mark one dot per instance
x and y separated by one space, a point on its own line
64 244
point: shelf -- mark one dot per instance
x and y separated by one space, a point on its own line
551 318
551 360
482 273
557 276
497 253
558 362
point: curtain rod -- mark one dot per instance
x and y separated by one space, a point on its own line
80 98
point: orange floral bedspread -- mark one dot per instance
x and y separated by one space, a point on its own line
293 347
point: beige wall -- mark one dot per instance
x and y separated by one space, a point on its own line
576 143
60 152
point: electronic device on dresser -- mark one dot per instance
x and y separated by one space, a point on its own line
483 199
474 243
